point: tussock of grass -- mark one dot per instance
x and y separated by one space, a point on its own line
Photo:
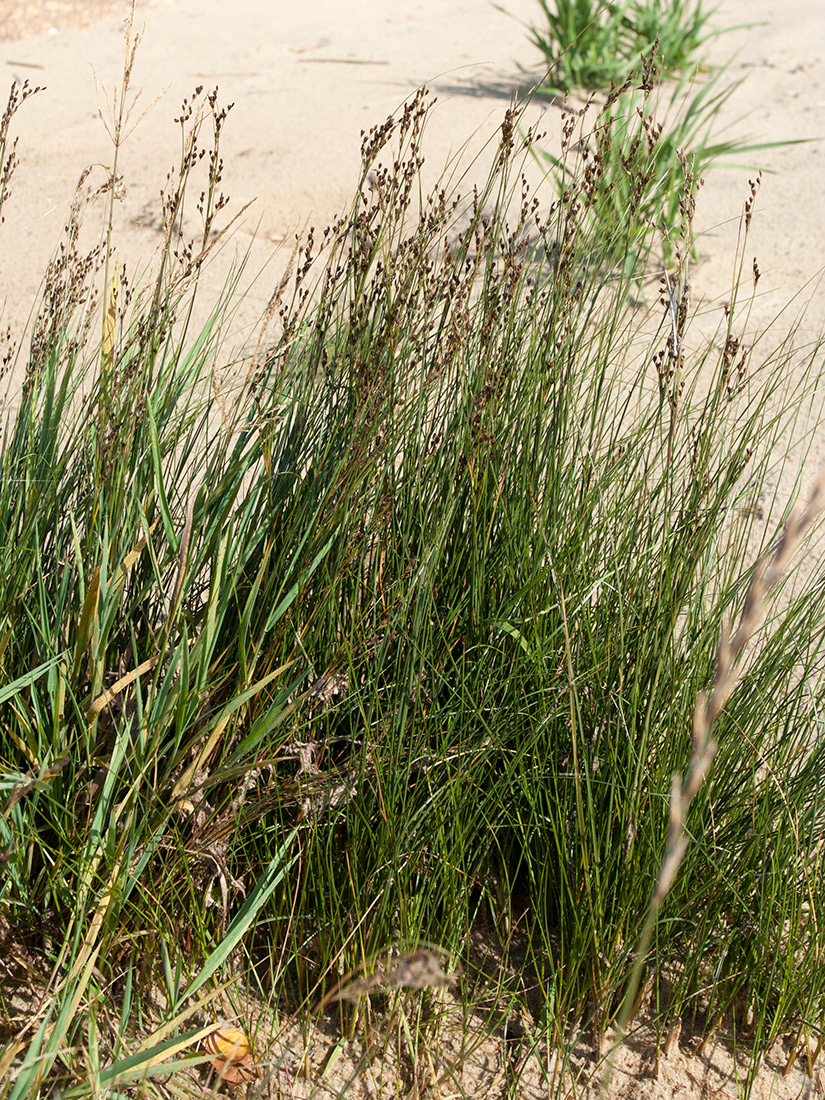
642 158
591 44
394 634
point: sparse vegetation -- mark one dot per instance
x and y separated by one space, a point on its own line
392 633
642 164
646 142
590 44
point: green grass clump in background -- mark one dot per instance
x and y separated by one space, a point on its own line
642 165
638 154
393 632
589 44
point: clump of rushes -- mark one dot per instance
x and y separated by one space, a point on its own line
643 162
392 633
709 707
590 44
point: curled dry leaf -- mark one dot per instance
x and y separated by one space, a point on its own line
232 1054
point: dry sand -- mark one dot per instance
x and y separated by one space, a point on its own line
305 80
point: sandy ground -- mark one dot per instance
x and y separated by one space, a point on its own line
305 80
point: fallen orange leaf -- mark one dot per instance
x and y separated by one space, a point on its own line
232 1054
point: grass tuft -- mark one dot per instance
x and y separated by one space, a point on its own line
391 633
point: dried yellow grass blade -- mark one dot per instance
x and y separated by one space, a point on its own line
109 324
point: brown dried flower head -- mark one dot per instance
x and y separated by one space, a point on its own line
423 969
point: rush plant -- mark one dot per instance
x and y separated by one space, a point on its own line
642 155
392 633
590 44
